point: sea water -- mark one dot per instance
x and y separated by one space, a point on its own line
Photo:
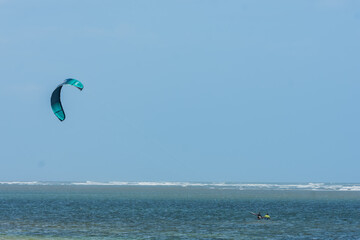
145 210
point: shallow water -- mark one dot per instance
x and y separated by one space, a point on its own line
55 211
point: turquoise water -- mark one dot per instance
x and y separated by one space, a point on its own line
55 211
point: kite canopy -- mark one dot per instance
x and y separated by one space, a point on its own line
55 97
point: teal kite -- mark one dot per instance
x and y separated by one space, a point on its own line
55 97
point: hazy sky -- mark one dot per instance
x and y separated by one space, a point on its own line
215 90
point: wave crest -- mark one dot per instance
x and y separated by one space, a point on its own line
239 186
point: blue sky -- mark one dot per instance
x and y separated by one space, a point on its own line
246 91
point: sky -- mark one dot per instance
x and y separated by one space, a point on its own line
182 90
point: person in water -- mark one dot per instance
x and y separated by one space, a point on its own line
267 216
259 216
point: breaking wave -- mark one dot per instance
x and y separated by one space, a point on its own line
239 186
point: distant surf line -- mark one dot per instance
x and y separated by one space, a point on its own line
218 185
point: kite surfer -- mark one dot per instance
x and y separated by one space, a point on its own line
258 215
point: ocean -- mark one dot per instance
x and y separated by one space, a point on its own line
161 210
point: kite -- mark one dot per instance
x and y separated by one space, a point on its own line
55 97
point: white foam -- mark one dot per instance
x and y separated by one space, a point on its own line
219 185
239 186
113 183
349 188
21 183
